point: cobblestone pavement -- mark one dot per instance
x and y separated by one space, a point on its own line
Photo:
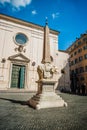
16 115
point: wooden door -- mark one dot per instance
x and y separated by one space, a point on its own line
18 76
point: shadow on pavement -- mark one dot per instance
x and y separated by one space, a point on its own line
16 101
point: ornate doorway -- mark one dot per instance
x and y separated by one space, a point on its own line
18 76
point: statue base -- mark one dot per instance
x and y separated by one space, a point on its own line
46 96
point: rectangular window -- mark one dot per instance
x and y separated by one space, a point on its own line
76 60
72 62
76 70
85 47
80 58
79 42
81 69
85 68
85 56
71 55
75 46
79 50
75 52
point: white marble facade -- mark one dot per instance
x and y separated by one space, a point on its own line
28 55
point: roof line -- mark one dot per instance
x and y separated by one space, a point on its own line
78 39
62 51
26 23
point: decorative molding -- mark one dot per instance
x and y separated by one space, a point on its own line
19 57
6 29
3 60
33 36
20 49
11 26
28 24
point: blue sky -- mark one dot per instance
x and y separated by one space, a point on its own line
67 16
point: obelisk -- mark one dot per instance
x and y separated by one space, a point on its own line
46 96
46 45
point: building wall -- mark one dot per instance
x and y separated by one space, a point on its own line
63 66
78 62
33 51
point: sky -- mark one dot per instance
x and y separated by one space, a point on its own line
69 17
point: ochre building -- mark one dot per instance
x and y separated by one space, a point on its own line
78 64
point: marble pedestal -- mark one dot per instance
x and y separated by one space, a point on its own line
46 96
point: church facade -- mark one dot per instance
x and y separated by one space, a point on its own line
21 51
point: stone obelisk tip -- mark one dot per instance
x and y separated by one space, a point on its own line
46 21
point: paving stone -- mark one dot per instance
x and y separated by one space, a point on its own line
16 115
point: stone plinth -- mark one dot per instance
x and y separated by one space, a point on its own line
46 96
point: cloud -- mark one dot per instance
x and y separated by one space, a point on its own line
16 3
34 12
55 15
4 1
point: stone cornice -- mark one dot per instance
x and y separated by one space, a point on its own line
25 23
23 58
